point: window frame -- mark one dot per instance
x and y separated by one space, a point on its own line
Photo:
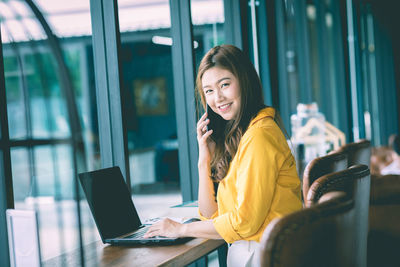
6 188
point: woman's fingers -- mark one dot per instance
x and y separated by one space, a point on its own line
166 227
202 118
153 230
202 127
205 136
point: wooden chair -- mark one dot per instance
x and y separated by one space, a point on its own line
384 222
333 162
316 236
356 182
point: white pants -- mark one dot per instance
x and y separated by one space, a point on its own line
244 253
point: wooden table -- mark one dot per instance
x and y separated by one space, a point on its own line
99 254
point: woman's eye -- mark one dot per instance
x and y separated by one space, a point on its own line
208 91
224 85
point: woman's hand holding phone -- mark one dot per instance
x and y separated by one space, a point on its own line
206 144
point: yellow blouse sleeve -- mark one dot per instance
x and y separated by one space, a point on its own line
204 218
260 157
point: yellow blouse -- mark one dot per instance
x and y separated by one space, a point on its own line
261 183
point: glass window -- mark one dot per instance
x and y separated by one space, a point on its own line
15 101
208 25
22 180
311 61
44 91
150 105
148 84
321 33
311 15
44 156
208 29
325 58
377 89
333 66
291 55
320 38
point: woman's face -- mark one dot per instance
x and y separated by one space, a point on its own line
222 92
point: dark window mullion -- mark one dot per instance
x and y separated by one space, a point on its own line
40 142
263 42
106 46
325 90
340 70
235 26
302 40
355 70
5 161
6 188
284 104
183 69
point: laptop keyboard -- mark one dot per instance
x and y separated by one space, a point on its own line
138 234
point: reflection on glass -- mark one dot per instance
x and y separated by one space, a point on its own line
149 87
208 25
312 26
208 30
323 34
333 64
150 104
291 57
44 91
370 91
15 102
38 114
22 180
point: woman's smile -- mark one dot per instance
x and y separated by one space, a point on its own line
224 107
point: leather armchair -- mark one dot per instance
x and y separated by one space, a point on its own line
333 162
357 152
320 235
356 182
384 222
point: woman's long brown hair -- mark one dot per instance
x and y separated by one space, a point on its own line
231 58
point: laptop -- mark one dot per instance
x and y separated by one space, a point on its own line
113 210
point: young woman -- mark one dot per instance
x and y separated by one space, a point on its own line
249 159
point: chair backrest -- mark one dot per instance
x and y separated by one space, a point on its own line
315 236
384 218
394 143
357 152
355 181
333 162
385 190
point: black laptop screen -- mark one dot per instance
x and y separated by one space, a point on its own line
110 202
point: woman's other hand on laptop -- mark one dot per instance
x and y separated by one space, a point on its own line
171 228
165 227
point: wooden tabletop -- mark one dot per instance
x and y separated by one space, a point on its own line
98 254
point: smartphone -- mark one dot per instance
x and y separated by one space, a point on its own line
217 123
